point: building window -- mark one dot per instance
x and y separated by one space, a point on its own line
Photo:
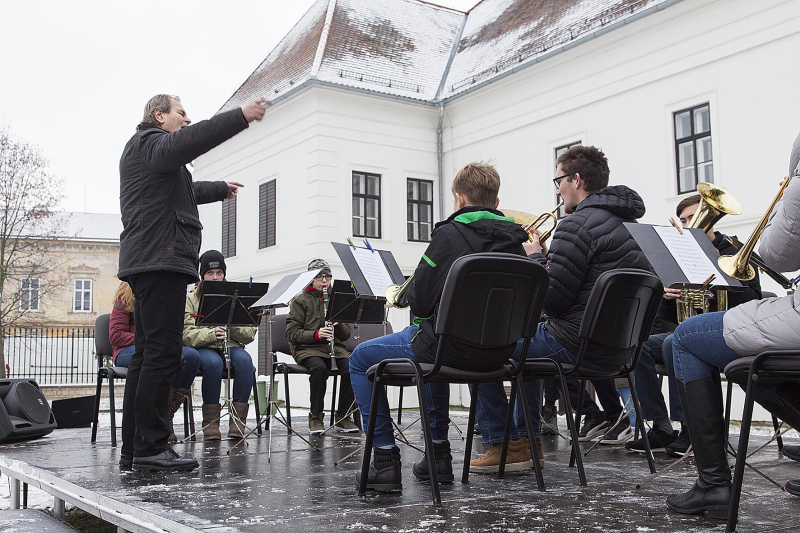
82 296
229 227
29 294
366 205
558 151
420 209
266 214
693 147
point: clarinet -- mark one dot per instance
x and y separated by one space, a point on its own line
327 323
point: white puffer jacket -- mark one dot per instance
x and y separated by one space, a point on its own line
773 323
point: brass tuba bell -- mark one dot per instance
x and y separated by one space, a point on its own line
715 203
397 295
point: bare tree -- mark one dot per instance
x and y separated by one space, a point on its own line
28 197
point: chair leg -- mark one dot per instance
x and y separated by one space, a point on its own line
186 416
400 406
572 423
113 409
473 405
190 408
97 405
507 433
577 451
526 410
728 396
430 455
333 400
269 400
256 404
370 436
288 401
741 455
640 424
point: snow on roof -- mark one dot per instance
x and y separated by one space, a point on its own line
403 48
95 227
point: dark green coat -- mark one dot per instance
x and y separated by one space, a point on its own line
306 316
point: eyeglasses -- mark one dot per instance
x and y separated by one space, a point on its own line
557 180
323 277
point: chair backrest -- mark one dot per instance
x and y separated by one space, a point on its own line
365 332
102 343
279 341
621 310
491 300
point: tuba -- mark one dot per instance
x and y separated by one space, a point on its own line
397 295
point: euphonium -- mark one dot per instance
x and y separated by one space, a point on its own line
715 203
397 295
738 266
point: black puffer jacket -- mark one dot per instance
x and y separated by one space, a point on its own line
158 199
587 243
467 231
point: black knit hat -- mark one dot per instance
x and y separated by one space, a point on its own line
210 260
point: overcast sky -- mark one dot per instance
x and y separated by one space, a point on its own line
75 76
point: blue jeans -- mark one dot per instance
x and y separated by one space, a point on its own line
699 350
372 352
211 364
625 396
190 362
657 350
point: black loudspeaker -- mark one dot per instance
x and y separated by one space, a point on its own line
74 412
24 411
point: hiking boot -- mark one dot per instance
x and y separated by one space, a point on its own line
346 425
176 398
384 471
210 421
549 420
792 452
593 425
619 434
519 457
679 446
444 464
658 440
238 424
315 424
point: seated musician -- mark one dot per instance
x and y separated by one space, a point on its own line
704 344
648 385
592 240
475 226
122 334
310 339
207 340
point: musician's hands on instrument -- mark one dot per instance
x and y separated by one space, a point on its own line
325 332
671 294
535 247
219 332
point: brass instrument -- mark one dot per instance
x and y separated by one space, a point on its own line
715 203
738 266
397 295
529 223
695 301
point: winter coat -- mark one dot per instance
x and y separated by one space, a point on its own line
158 200
590 241
469 230
121 329
772 323
306 317
203 336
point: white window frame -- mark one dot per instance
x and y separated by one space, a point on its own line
82 291
30 292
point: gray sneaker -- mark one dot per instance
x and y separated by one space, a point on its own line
592 427
315 424
346 425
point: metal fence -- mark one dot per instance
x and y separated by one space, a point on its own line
51 356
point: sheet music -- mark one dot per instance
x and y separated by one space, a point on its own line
374 270
280 297
694 263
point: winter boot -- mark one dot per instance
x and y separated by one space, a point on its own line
238 423
176 398
384 472
444 464
211 421
702 400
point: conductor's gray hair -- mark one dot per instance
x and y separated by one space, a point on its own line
159 101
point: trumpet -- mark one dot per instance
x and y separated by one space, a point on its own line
531 224
397 295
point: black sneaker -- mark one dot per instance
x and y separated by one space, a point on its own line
593 425
679 446
657 438
549 420
125 461
792 452
618 434
384 472
444 464
166 460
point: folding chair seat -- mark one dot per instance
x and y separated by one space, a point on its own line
618 317
490 300
764 370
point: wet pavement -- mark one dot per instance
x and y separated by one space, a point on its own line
302 489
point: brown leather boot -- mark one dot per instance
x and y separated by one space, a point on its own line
176 398
237 423
211 421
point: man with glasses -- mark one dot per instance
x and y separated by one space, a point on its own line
589 242
309 338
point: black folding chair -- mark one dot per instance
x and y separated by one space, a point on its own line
489 301
764 370
618 318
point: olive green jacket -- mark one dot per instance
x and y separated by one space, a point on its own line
203 336
306 316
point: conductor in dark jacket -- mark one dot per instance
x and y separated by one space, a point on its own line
158 256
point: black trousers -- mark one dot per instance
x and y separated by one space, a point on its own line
158 313
551 391
606 392
318 381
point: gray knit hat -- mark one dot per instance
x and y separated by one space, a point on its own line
318 264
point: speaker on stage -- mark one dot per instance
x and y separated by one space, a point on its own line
24 411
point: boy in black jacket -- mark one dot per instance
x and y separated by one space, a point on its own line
475 226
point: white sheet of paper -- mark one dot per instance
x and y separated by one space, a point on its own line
694 262
374 270
302 281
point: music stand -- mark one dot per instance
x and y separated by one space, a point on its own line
227 303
